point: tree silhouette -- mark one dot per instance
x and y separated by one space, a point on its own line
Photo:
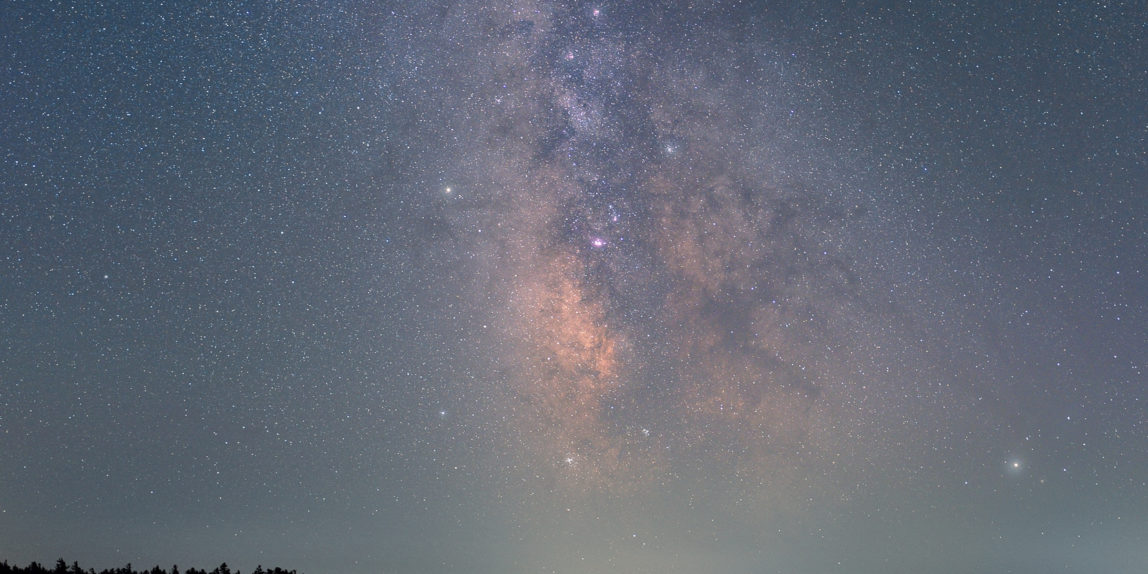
62 567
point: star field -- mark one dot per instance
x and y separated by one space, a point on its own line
536 286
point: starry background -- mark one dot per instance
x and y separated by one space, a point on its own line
534 286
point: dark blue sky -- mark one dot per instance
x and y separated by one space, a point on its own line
575 287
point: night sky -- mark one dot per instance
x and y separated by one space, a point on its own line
526 286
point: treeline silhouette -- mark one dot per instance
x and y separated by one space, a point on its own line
63 568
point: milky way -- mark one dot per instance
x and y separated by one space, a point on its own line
673 308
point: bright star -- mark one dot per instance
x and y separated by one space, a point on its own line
1014 466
